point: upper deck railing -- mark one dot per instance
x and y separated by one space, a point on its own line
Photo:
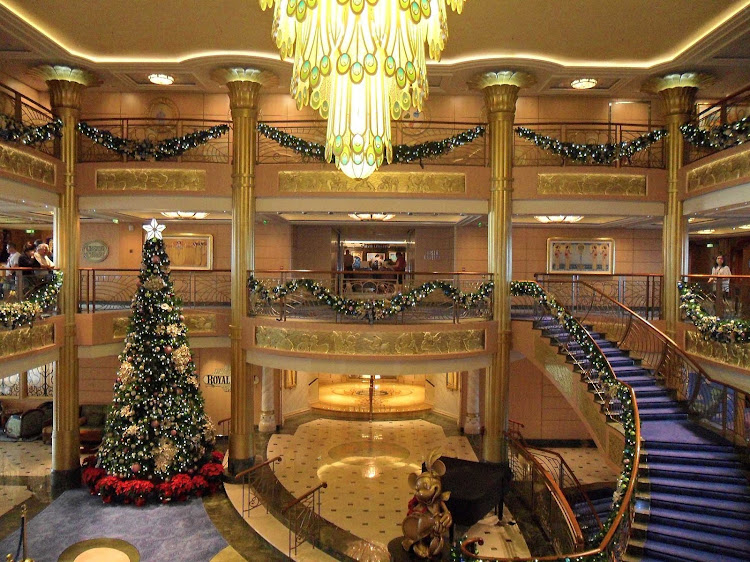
730 109
29 112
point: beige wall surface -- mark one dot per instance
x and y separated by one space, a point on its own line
273 246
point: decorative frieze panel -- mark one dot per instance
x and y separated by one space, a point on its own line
379 182
736 354
150 179
197 324
340 342
23 340
592 184
719 171
26 166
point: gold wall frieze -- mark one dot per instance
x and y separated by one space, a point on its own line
726 169
340 342
379 182
26 166
592 184
203 323
735 354
23 340
150 179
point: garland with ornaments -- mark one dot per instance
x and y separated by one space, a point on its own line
709 326
402 153
18 314
370 310
613 387
14 130
596 153
148 149
718 138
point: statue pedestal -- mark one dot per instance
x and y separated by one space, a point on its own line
398 554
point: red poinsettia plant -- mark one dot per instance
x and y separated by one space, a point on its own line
137 492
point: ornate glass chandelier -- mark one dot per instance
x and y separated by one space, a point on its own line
360 63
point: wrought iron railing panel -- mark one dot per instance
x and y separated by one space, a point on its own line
40 381
28 112
11 386
728 110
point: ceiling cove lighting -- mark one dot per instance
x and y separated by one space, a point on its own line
161 79
706 231
184 215
745 227
583 83
558 218
371 216
360 63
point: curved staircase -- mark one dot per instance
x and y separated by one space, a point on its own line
693 494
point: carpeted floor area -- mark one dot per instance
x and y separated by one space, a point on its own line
181 531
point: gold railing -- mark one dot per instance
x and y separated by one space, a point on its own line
22 108
303 519
259 485
725 296
638 291
217 150
719 407
526 153
21 283
113 289
732 108
366 286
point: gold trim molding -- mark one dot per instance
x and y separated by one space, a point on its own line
23 340
150 179
726 169
27 166
592 184
735 354
379 182
339 342
197 324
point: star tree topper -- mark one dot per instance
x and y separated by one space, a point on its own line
153 230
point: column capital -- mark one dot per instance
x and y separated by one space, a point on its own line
244 84
66 84
501 88
677 90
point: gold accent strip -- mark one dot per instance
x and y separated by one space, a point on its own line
25 165
726 169
196 324
22 340
150 179
592 184
339 342
379 182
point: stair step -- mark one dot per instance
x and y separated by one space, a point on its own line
718 490
695 539
654 550
706 473
677 435
690 457
663 414
717 524
648 392
730 508
655 402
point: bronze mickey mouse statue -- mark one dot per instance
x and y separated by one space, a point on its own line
428 519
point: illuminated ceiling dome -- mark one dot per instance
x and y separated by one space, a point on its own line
360 63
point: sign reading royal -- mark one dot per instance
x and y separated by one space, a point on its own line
221 378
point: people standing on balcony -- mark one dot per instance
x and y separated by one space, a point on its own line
50 242
13 255
24 278
721 288
9 280
42 256
376 262
400 265
348 261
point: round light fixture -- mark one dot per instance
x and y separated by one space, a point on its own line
583 83
558 218
161 79
745 227
184 215
371 216
706 231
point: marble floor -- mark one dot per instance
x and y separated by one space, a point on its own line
386 397
32 458
588 464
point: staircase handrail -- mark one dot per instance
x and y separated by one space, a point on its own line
672 350
625 512
550 483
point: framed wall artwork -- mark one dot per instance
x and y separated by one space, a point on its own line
190 251
592 256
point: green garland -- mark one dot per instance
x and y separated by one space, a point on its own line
147 149
596 153
718 138
711 327
371 310
15 131
402 153
17 314
600 364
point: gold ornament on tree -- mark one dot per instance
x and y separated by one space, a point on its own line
360 63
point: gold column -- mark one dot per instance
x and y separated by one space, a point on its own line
678 93
244 90
500 94
65 88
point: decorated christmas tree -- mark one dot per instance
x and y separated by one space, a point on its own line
158 440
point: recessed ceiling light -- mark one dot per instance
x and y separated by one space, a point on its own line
184 215
583 83
558 218
161 79
706 231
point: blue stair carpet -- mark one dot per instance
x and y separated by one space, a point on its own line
180 531
694 497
